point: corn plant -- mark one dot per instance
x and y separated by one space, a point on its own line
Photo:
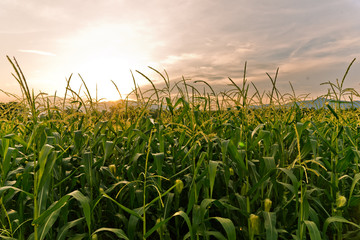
177 162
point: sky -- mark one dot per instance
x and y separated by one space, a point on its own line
311 42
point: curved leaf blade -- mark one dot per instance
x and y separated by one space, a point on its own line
313 230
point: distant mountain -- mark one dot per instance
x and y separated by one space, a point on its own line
321 103
316 104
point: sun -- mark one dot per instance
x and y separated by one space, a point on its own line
103 53
101 74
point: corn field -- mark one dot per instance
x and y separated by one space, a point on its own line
180 164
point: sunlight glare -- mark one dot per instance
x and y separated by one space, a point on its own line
106 52
100 72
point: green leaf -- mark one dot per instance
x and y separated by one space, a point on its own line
6 237
354 182
224 148
48 222
187 220
78 237
258 127
212 174
349 135
63 231
128 210
42 197
132 223
199 214
157 226
85 204
159 160
48 217
199 163
118 232
88 167
264 136
55 206
18 139
197 218
269 163
313 230
161 195
324 139
3 189
78 139
6 162
332 111
263 179
43 157
291 175
169 105
337 219
313 144
288 186
314 216
235 155
270 225
344 162
191 199
228 226
108 149
216 234
48 170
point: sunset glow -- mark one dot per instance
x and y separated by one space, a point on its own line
311 42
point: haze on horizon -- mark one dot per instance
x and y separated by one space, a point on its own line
310 41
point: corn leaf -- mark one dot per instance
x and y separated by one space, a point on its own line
313 230
270 225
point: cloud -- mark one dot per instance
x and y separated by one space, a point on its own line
37 52
183 57
204 39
